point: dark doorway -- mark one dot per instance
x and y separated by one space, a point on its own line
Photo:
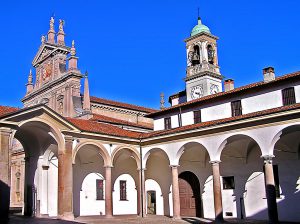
189 193
151 202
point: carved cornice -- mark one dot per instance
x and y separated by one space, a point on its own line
50 85
116 109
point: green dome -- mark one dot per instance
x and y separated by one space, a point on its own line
199 28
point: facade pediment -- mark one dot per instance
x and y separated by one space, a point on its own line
41 113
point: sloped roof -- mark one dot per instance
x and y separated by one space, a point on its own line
221 121
102 118
233 92
7 110
122 105
101 128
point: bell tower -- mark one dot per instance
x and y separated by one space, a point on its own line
57 78
202 74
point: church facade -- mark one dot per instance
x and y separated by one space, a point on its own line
214 153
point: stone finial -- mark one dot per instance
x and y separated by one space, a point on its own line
73 59
51 32
162 100
52 23
43 39
61 25
30 77
29 85
73 49
61 33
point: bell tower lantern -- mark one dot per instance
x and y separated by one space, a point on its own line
202 74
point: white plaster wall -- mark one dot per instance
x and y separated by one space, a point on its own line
187 118
174 121
255 196
297 93
208 198
229 198
262 102
171 201
152 185
216 112
159 124
53 187
88 203
130 205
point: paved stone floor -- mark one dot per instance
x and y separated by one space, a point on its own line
119 219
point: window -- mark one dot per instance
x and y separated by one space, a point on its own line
210 54
99 190
197 116
276 180
168 123
228 183
288 96
123 193
236 108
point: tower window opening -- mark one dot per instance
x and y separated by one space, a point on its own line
210 54
196 55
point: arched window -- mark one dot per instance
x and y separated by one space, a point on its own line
196 55
210 54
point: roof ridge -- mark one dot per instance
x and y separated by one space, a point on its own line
116 120
241 88
122 104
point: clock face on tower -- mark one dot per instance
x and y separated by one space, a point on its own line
196 92
214 89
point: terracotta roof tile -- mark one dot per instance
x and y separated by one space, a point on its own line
228 93
102 118
7 110
122 105
100 128
221 121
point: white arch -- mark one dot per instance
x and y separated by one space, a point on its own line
224 142
102 150
181 149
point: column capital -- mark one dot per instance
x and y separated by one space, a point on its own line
174 166
68 138
268 158
5 131
108 166
215 162
141 169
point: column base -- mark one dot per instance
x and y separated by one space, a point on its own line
176 217
109 216
68 216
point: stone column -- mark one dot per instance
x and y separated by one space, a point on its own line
270 189
217 191
4 173
65 181
108 192
141 194
175 193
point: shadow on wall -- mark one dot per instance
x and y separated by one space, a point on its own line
4 200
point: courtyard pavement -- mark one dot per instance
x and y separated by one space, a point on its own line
14 219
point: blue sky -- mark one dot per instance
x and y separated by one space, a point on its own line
134 49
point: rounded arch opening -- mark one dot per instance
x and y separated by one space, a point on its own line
189 193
